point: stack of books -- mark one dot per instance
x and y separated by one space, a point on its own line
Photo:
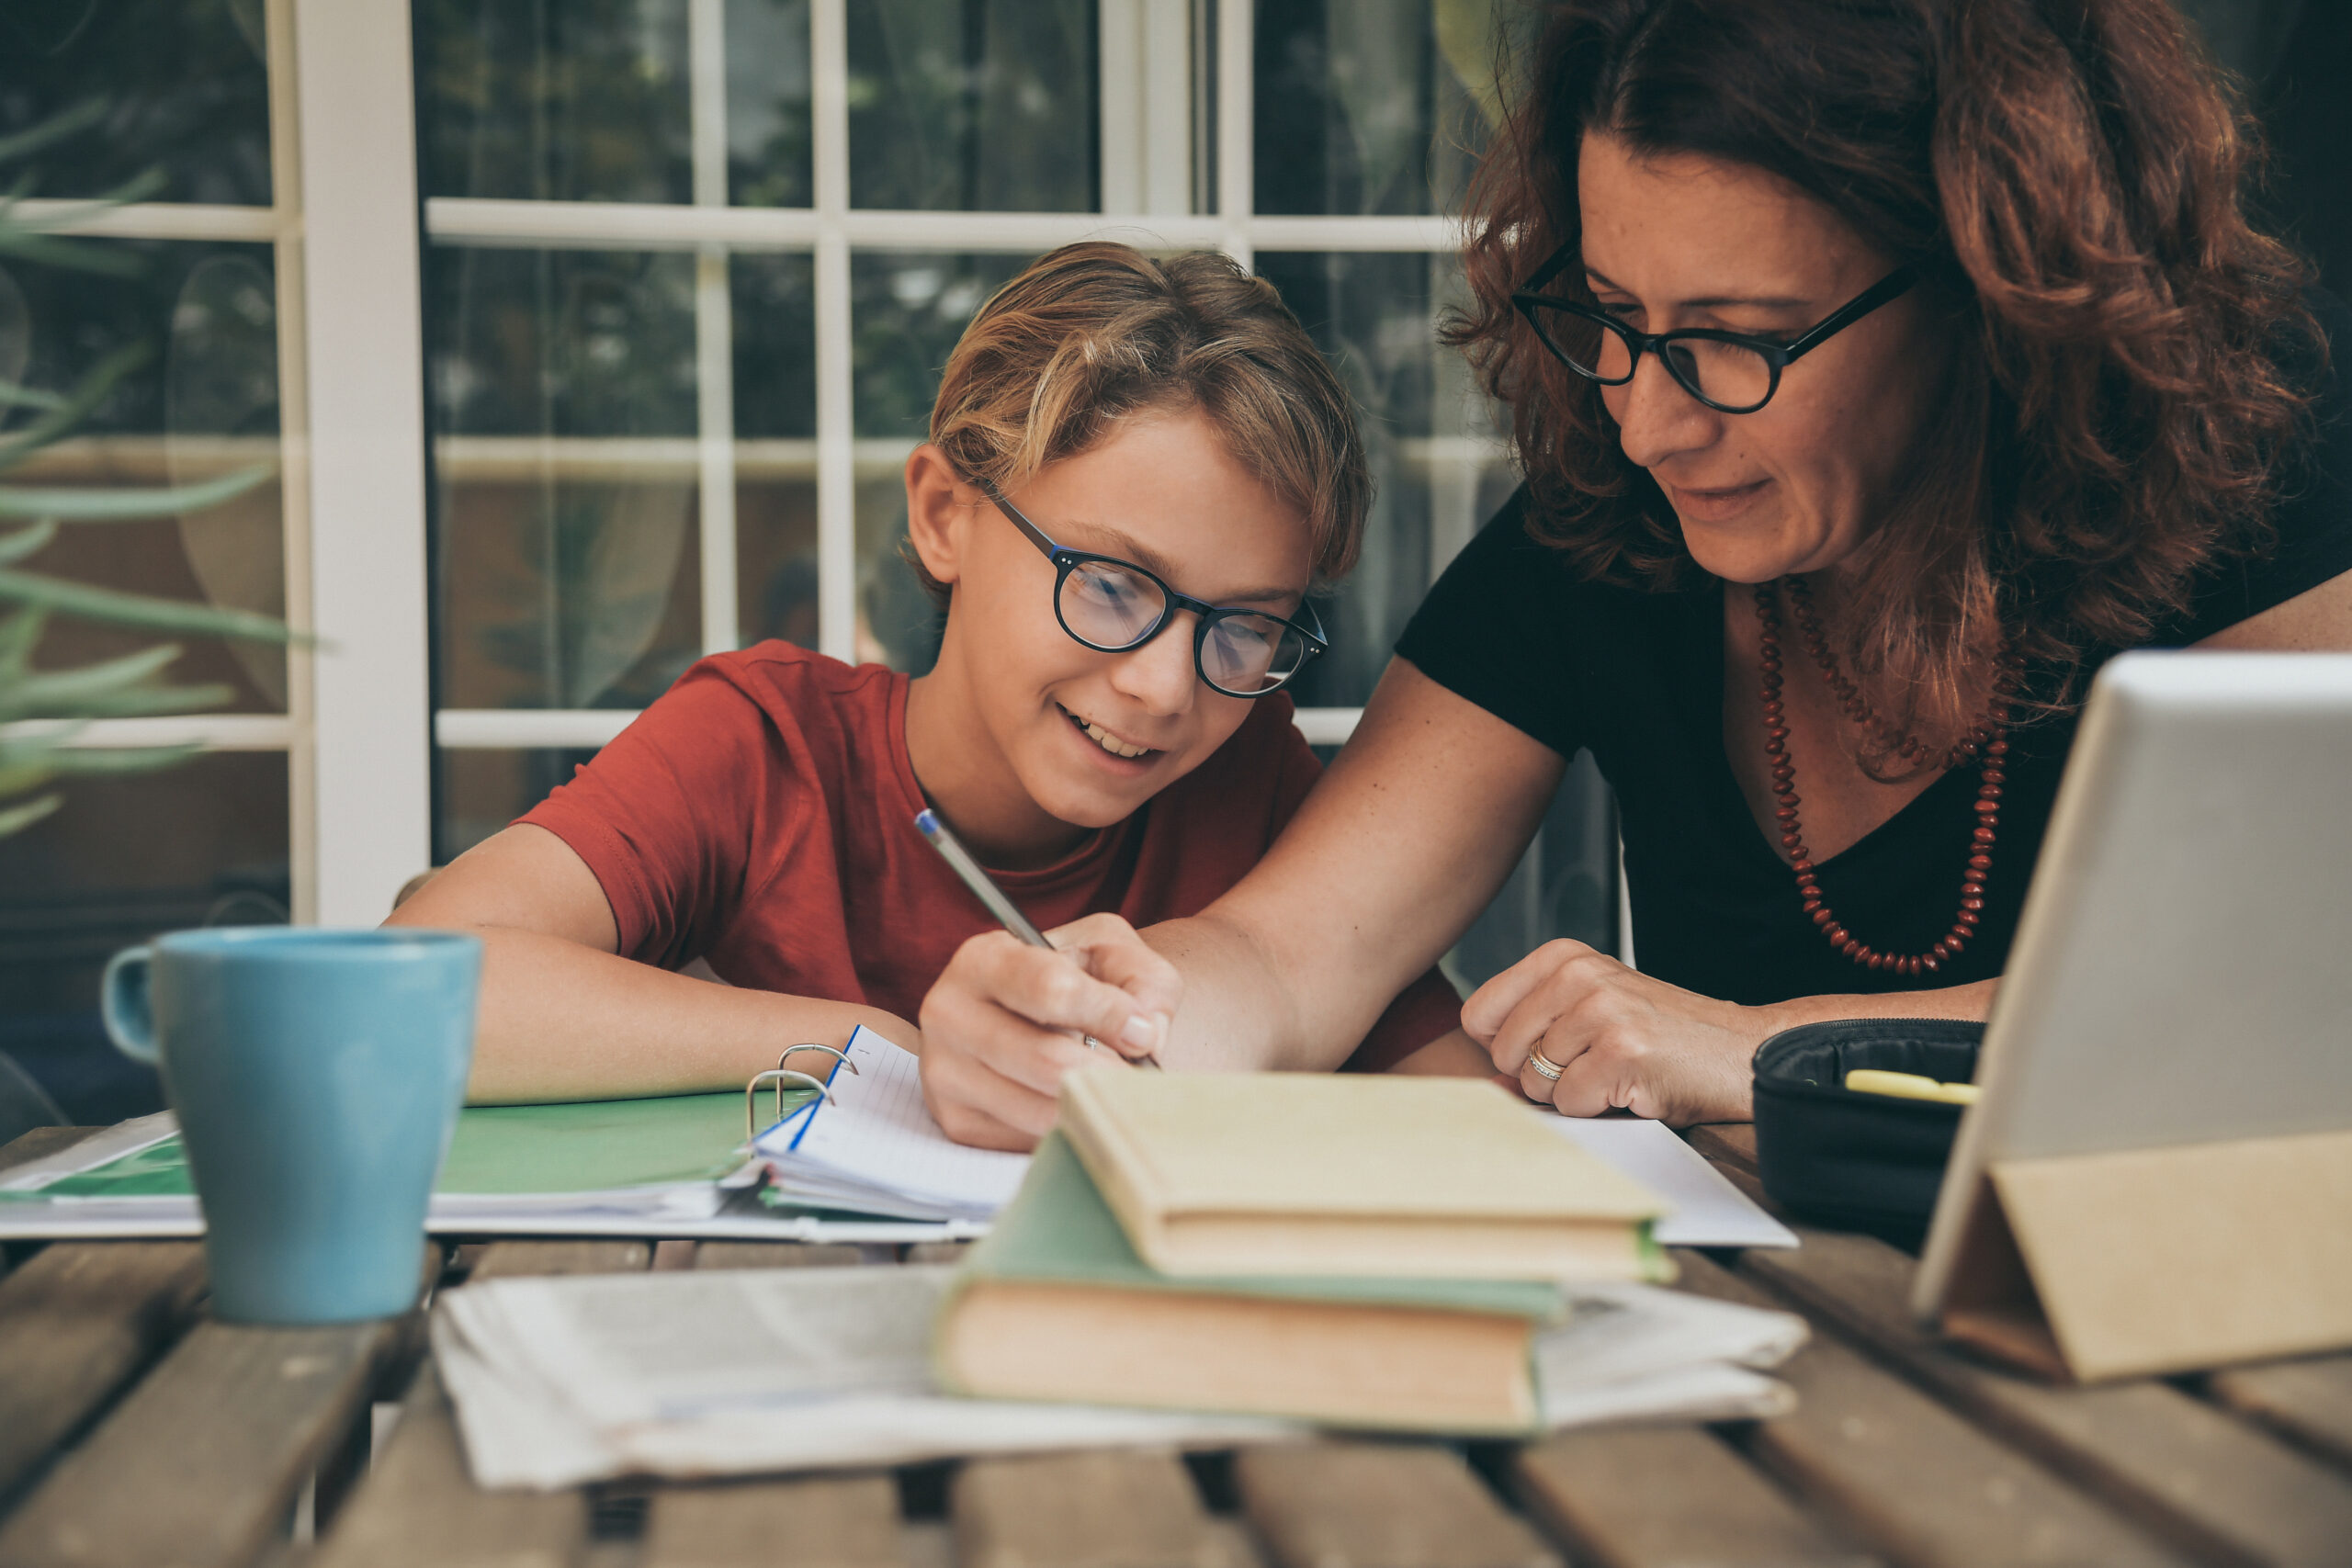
1384 1253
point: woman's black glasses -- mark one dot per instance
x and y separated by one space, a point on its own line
1729 372
1111 606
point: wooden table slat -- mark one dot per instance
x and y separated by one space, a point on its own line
1726 1143
1914 1478
2224 1489
199 1465
1667 1497
938 1251
2308 1401
1352 1505
811 1522
420 1505
78 1323
1108 1508
778 1254
513 1260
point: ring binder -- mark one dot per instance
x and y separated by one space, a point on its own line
774 1076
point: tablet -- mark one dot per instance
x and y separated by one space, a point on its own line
2182 973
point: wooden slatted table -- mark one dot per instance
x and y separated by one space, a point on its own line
135 1432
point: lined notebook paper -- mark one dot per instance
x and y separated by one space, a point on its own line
872 1147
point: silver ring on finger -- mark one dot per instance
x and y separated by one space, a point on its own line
1544 1066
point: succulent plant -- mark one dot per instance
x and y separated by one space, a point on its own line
43 711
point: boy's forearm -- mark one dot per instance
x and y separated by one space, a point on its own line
562 1021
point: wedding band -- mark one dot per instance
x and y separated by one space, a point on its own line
1544 1066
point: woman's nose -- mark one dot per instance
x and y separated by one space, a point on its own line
1160 674
1657 416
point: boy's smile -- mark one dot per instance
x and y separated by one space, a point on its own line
1026 740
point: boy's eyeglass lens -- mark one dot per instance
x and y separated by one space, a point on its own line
1112 607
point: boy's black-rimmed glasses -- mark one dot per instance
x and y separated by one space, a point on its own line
1112 606
1729 372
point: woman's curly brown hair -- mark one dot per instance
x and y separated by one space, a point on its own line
2068 174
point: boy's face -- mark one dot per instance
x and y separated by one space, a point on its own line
1091 736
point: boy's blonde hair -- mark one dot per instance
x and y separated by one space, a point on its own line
1091 332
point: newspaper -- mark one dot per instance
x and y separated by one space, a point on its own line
558 1381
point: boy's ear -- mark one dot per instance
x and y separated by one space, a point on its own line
939 512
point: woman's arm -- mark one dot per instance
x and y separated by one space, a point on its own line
1622 1039
1402 841
565 1016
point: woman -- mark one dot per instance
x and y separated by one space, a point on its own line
1878 369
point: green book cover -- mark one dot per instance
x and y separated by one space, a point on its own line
580 1146
1058 1228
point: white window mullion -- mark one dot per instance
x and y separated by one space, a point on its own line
714 329
836 453
1236 193
294 467
364 367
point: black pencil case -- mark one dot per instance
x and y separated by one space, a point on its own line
1866 1162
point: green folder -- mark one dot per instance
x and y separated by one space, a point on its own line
580 1147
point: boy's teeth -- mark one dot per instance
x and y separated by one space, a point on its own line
1108 741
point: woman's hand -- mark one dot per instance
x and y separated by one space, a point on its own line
1006 1021
1621 1039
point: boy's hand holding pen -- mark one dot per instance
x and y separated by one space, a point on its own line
1138 1041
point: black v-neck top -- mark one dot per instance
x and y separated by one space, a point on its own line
1637 677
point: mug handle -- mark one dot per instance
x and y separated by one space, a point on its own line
123 1005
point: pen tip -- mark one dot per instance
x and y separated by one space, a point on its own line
926 822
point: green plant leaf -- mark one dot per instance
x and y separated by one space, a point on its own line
15 397
53 424
77 255
17 818
61 693
53 753
56 128
26 543
18 633
105 604
127 505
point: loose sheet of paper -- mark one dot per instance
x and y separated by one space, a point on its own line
872 1144
1708 1209
558 1381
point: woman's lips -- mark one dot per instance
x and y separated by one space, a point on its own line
1719 505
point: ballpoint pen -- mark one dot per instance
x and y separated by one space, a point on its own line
968 870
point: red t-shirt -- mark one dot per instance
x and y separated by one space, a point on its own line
760 816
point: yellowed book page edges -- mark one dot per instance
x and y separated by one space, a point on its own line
1401 1368
1328 1144
2164 1260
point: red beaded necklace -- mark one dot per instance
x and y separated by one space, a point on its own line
1987 738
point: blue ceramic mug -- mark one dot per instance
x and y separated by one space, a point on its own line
317 1075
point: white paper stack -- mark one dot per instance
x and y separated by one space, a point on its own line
560 1381
869 1146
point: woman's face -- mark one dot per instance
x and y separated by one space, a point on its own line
1685 240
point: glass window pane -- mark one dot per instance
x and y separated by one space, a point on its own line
774 304
973 105
907 312
1369 107
202 404
585 100
481 791
126 857
563 386
1433 446
767 103
775 455
185 85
